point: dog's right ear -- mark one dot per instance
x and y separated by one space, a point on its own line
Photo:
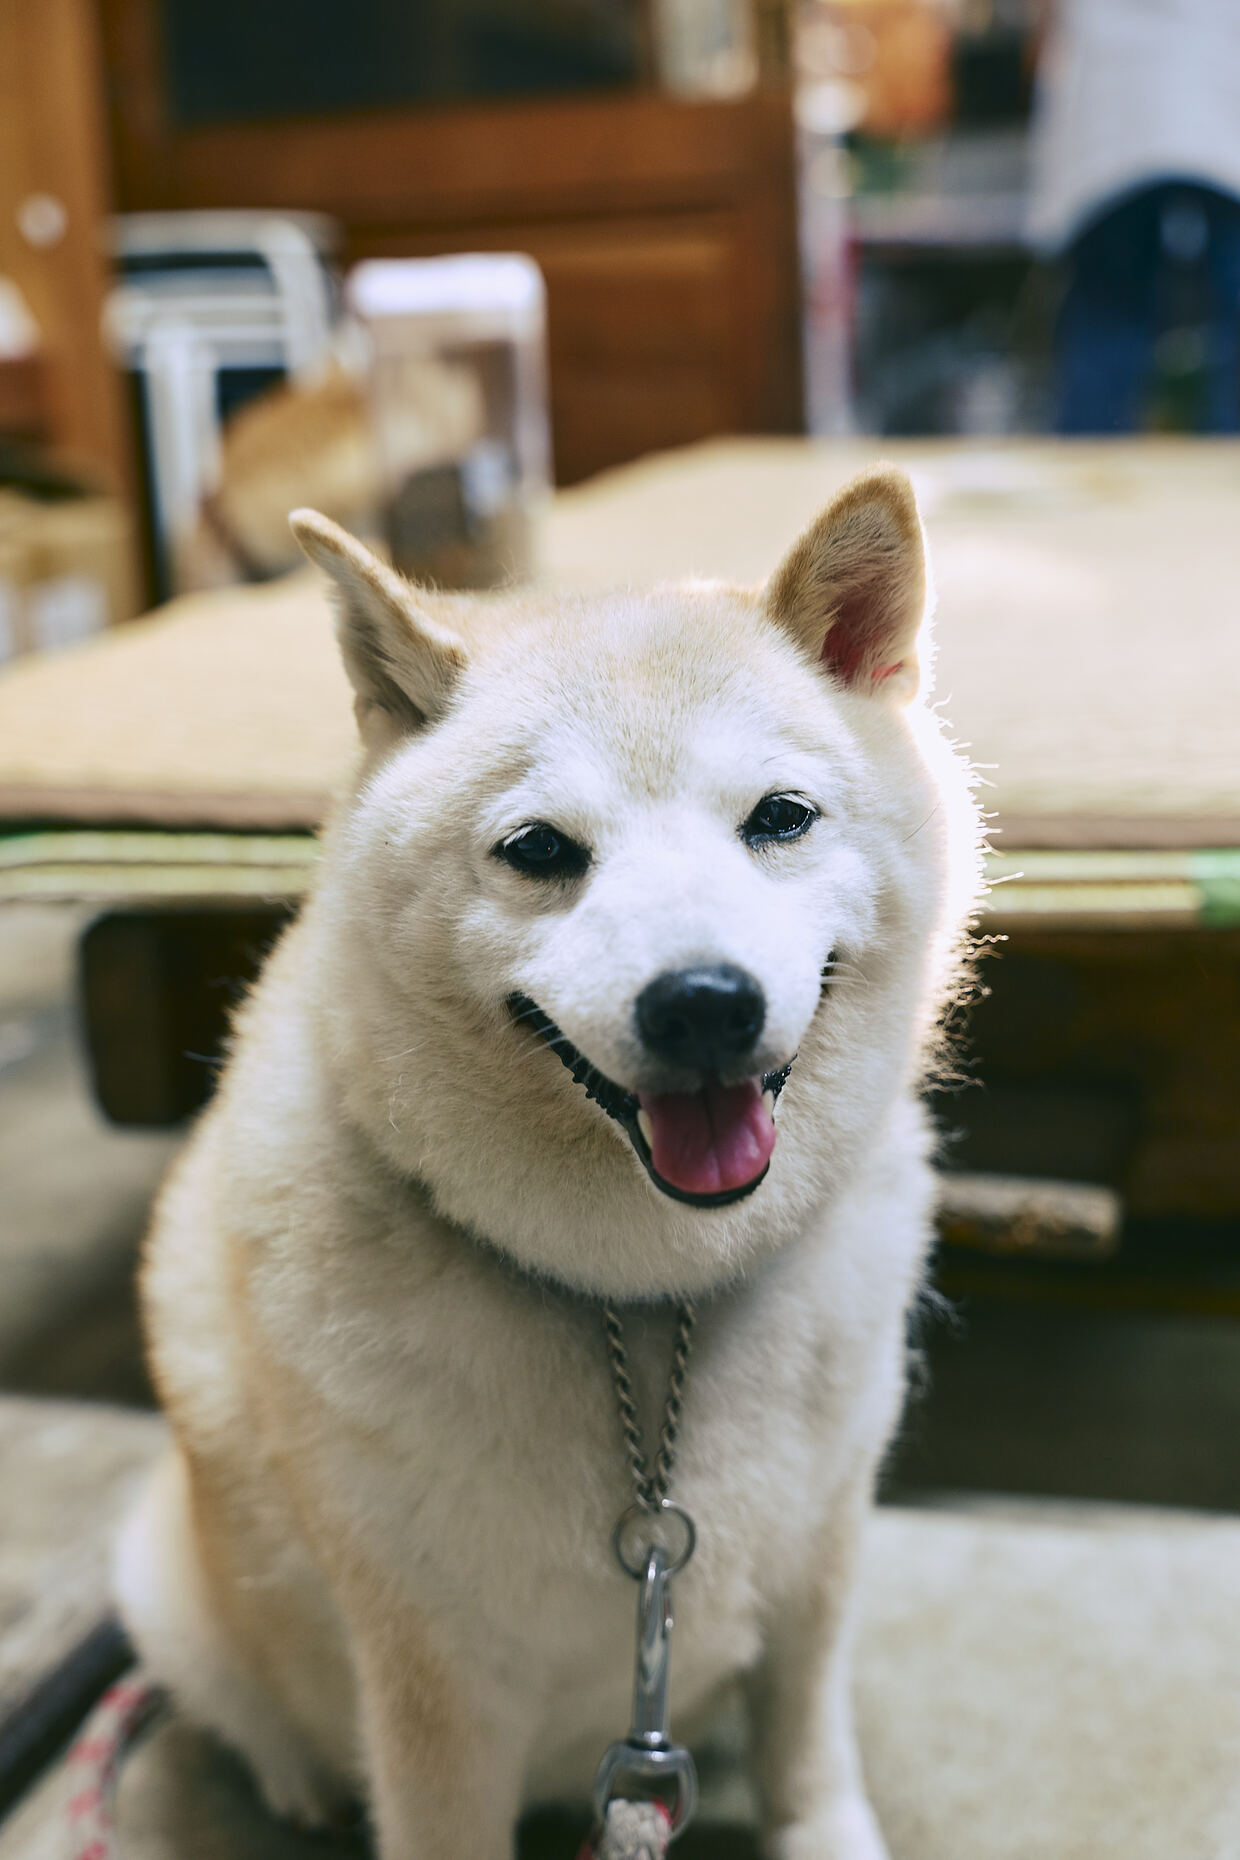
401 663
854 590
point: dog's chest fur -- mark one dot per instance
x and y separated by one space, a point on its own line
457 1423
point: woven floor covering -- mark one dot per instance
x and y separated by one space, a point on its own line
1088 631
1034 1682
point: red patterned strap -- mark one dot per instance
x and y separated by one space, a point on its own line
94 1763
632 1831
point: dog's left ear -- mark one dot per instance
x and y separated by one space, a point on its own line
852 592
401 662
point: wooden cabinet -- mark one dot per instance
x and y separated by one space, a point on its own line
666 229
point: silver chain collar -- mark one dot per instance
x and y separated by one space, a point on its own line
653 1541
651 1488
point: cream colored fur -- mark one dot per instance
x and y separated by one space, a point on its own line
379 1560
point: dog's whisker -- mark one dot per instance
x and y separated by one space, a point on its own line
547 1035
532 1012
530 1055
923 823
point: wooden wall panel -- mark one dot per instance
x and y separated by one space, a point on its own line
54 144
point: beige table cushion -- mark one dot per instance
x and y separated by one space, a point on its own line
1088 628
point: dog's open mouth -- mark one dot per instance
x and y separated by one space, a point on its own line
706 1147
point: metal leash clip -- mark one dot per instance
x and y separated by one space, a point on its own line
646 1763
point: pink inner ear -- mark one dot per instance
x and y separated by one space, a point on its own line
844 653
841 653
859 634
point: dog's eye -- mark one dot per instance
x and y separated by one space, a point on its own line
778 817
542 851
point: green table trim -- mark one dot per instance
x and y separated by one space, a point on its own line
119 866
1084 889
1217 876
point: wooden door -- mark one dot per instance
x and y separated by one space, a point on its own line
666 229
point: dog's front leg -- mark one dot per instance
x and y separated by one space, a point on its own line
444 1751
808 1769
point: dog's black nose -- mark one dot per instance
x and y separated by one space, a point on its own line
704 1019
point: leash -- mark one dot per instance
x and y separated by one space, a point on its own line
123 1715
631 1831
645 1790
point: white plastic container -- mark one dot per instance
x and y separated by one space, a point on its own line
458 408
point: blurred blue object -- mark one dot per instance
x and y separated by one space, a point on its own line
1164 262
1136 186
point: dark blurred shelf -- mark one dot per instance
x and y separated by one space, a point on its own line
965 192
1164 1267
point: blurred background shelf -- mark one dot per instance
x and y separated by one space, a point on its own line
962 193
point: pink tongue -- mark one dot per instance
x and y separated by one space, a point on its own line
708 1141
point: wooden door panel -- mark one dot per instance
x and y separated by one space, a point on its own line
647 330
619 287
606 418
663 298
666 230
471 161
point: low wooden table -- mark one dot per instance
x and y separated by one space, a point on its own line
1088 635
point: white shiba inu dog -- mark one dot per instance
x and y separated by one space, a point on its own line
617 985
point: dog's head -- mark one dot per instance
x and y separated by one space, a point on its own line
638 911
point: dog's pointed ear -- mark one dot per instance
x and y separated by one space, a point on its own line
401 662
853 591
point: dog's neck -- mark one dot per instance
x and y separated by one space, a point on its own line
412 1192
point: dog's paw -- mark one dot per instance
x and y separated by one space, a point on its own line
847 1830
297 1791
